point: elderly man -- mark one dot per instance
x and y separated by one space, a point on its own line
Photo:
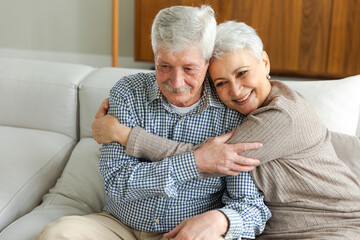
169 199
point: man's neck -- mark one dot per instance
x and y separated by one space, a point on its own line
184 110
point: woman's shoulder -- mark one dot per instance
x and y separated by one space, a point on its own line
283 96
282 99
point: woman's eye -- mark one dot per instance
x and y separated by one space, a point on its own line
240 74
219 84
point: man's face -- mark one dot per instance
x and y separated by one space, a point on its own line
180 75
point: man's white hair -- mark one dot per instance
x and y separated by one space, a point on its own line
180 27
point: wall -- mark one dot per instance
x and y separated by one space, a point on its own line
77 31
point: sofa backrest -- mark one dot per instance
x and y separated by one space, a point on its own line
94 89
336 102
40 94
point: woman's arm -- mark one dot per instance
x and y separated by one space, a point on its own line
107 129
269 125
218 158
141 144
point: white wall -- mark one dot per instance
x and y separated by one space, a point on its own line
77 31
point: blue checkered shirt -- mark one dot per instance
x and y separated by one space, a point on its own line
157 196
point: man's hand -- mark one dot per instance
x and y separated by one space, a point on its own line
106 128
207 226
215 156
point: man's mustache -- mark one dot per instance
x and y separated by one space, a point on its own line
176 90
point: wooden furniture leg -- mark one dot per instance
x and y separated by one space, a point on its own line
115 32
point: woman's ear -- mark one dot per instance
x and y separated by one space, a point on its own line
265 59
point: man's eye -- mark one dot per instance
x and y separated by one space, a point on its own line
164 68
190 70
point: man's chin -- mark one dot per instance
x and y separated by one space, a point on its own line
180 101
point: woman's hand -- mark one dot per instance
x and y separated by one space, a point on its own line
217 156
106 128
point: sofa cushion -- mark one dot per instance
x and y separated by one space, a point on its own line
94 89
79 191
40 95
347 148
29 226
336 102
81 185
31 161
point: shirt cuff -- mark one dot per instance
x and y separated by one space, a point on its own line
235 224
184 166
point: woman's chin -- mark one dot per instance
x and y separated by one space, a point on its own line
244 109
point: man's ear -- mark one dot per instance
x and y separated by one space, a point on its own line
265 59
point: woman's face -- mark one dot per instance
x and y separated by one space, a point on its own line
240 80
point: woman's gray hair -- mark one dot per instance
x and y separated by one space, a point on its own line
179 27
232 36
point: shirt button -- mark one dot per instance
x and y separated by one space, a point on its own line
157 220
230 236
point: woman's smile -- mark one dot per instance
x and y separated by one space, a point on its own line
245 99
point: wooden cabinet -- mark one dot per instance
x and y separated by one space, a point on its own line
311 38
344 38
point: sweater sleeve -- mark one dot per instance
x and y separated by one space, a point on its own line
270 125
142 144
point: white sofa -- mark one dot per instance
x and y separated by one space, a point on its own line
46 111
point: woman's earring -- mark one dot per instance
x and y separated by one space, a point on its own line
268 77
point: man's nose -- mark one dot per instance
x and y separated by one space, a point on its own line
177 80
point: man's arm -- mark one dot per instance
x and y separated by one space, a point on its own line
127 178
244 207
243 216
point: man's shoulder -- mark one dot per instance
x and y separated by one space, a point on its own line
134 84
134 81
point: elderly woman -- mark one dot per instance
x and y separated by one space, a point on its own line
311 193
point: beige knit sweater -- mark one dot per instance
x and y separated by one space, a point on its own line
311 193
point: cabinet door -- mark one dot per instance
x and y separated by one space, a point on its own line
344 49
294 33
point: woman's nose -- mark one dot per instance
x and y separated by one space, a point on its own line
235 89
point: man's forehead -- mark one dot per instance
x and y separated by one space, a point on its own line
189 57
